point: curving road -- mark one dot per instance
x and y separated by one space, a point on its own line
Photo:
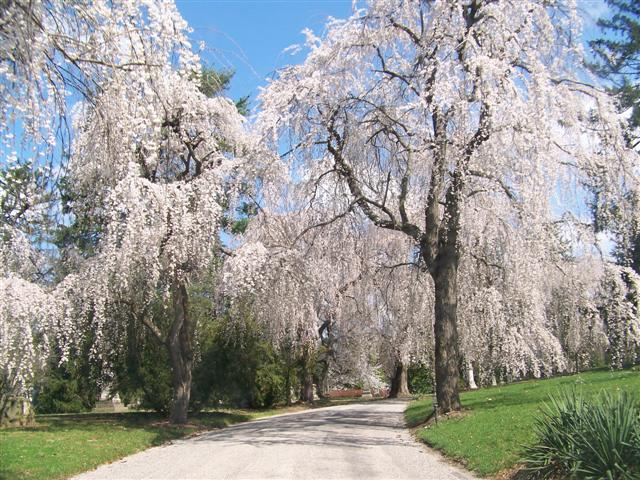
359 441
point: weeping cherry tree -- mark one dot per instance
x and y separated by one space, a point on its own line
413 112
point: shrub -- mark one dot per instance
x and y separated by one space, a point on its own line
237 366
420 379
66 387
142 373
58 395
586 439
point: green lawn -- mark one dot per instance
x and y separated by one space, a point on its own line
418 412
63 445
488 435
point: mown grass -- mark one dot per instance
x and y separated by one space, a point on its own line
63 445
497 422
418 412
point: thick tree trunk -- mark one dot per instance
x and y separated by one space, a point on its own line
16 411
439 249
322 380
400 382
306 392
446 335
306 388
326 340
179 344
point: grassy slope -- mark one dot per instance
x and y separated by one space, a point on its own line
63 445
488 436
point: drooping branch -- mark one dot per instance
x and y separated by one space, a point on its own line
325 223
503 186
335 146
153 328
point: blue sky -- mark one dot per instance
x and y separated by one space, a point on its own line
250 35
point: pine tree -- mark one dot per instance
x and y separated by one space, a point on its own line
618 58
618 61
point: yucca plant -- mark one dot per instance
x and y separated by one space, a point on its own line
586 439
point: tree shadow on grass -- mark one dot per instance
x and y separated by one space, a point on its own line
58 441
155 423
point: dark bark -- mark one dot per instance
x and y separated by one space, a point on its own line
326 340
439 248
443 266
287 384
322 380
179 343
400 382
306 388
290 371
446 337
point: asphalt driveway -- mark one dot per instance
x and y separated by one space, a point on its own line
365 441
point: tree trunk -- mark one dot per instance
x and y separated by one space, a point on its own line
306 392
440 251
16 411
306 387
322 380
446 334
326 341
470 376
400 382
287 384
179 344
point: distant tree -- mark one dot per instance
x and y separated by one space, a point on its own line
619 298
214 82
617 60
618 57
67 386
506 332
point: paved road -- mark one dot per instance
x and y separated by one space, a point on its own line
358 441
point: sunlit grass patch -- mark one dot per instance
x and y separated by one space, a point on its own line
500 420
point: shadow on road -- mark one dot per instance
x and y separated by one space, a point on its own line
357 427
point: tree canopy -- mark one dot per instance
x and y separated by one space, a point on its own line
418 192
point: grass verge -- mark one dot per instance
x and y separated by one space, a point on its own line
64 445
499 421
418 412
